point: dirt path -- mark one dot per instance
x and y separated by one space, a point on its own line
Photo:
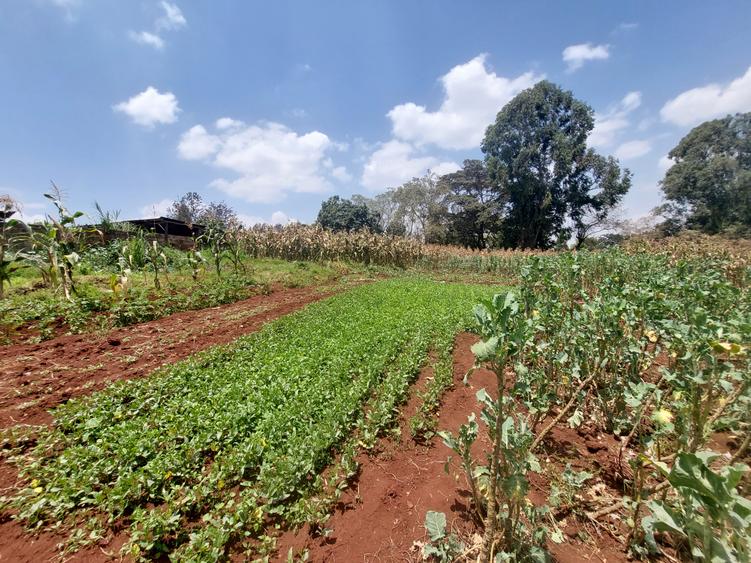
36 377
382 516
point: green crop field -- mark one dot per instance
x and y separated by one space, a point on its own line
243 430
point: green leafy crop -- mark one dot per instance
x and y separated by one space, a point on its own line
200 454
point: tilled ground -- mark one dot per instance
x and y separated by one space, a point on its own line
381 517
36 377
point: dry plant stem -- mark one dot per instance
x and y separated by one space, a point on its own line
715 415
742 449
560 415
643 409
618 505
721 409
491 523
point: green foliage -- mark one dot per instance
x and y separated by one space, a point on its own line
443 546
709 184
474 207
340 214
707 501
56 245
536 152
239 432
12 233
214 239
652 346
499 489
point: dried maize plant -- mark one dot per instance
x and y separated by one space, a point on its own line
314 243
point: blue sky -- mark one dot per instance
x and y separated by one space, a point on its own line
274 106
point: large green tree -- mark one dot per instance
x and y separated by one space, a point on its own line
710 182
339 214
536 152
474 207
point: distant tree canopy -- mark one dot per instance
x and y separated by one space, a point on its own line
708 188
340 214
536 152
191 209
474 206
415 209
538 186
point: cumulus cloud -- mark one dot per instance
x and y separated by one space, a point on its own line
197 143
707 102
270 159
277 218
147 38
225 123
394 162
341 174
609 124
576 55
473 96
150 107
633 149
156 209
173 17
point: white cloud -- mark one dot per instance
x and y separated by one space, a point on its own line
270 159
394 163
150 107
665 163
277 218
633 149
146 38
576 55
173 17
197 143
707 102
472 98
156 209
609 124
31 212
341 174
228 123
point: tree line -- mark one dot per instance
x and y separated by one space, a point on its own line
540 185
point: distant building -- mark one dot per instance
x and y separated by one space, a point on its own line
168 227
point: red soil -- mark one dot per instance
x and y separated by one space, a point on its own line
36 377
381 517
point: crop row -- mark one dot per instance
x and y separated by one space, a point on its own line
652 347
241 432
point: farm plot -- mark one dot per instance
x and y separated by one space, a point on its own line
650 349
613 421
212 449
